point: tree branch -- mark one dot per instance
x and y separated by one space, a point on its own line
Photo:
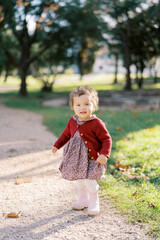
11 58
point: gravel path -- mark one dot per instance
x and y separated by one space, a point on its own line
45 202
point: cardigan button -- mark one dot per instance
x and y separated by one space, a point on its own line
81 134
92 157
89 150
85 142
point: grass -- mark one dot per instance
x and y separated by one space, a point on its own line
136 191
66 82
132 180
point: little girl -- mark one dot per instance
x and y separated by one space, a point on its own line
88 148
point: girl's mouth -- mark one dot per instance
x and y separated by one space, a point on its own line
83 112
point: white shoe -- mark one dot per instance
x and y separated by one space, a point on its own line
82 200
93 208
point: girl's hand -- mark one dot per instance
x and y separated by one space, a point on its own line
54 150
102 159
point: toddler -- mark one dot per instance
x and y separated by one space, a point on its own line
87 150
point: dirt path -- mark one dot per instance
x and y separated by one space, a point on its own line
45 202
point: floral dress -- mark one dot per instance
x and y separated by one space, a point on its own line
77 163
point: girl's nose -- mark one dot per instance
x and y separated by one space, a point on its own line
83 106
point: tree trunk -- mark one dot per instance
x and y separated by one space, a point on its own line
6 76
128 63
116 69
23 86
127 54
140 82
155 77
81 70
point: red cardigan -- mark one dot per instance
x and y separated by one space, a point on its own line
93 133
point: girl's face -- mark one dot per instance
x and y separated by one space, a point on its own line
83 107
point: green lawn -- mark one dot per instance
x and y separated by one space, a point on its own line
132 180
66 82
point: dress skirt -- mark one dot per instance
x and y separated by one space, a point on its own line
76 162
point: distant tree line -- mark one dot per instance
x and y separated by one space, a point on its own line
44 37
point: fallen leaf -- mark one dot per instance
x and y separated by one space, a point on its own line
13 215
118 128
134 114
152 205
151 120
139 220
120 166
22 180
135 193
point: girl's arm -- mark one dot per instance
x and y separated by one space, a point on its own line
104 137
63 139
102 159
54 150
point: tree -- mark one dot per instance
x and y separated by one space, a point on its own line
121 12
53 23
146 32
115 50
52 62
86 34
46 32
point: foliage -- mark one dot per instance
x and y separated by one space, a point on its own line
68 27
130 26
51 63
74 30
43 35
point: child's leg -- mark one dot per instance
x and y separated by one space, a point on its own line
82 195
93 206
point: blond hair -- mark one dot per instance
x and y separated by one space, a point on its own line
85 90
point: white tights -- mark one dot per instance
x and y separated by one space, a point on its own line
91 185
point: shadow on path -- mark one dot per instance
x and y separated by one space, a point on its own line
66 219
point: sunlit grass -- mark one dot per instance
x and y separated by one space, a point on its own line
11 81
137 191
67 82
